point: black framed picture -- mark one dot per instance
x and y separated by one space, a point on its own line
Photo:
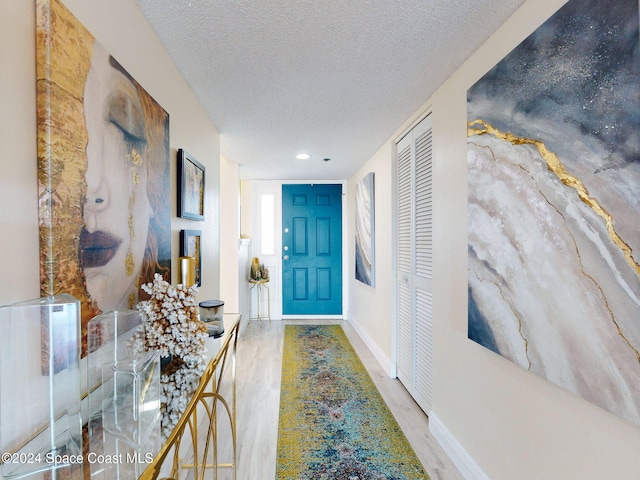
190 187
191 246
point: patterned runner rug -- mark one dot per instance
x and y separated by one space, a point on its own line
333 422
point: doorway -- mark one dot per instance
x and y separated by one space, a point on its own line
312 249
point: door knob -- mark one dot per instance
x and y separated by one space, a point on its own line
286 257
286 247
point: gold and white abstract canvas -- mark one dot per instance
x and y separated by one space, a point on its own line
365 222
553 202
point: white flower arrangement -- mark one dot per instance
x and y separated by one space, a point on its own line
171 326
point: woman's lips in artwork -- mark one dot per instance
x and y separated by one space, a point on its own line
97 248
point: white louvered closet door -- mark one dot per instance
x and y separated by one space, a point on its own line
414 262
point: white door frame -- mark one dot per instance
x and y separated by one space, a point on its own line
274 262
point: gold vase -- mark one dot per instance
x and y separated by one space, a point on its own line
187 271
255 268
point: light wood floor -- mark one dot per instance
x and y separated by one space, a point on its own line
259 363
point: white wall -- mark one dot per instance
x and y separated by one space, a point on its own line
511 423
229 236
371 308
18 182
120 27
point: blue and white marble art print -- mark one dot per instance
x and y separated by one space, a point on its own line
554 195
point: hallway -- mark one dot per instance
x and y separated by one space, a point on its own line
258 395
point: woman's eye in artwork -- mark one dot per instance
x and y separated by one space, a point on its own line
125 112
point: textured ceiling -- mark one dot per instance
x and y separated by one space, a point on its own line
334 78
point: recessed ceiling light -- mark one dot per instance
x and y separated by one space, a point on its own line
303 156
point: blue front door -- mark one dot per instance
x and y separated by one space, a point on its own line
312 249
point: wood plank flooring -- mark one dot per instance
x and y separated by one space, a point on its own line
259 364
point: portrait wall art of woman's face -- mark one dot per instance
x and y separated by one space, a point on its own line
103 158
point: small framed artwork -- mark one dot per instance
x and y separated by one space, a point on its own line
191 246
190 187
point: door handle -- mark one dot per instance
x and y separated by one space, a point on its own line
285 248
286 257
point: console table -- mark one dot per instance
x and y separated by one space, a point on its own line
207 403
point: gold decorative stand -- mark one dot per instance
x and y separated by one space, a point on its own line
208 400
260 286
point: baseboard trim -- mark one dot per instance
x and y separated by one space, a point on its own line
373 347
469 469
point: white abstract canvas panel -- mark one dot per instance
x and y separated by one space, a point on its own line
553 202
365 214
